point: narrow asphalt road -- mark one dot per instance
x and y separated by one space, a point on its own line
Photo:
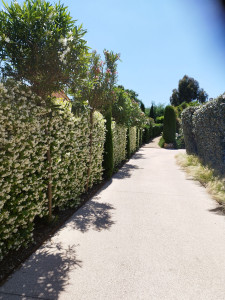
150 233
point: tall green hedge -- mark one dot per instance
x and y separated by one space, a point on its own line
119 143
108 147
169 128
23 163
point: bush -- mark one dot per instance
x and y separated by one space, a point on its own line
156 130
147 133
23 162
187 125
161 142
119 143
108 148
133 139
209 130
179 140
169 128
159 120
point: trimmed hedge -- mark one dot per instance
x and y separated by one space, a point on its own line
119 143
169 128
133 139
108 147
187 125
157 130
23 162
209 130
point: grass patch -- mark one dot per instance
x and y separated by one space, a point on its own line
161 142
214 184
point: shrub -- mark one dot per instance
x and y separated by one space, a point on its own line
187 125
209 130
23 161
108 148
156 130
133 139
169 128
161 142
159 120
128 143
179 140
119 143
147 133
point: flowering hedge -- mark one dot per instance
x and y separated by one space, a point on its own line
133 139
23 164
119 143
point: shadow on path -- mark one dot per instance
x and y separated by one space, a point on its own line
93 215
126 171
219 210
44 275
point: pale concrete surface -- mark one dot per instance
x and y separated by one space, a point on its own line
148 234
153 143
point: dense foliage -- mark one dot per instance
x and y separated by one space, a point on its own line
41 45
169 128
24 175
51 151
119 143
188 91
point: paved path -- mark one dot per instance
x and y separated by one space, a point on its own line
148 234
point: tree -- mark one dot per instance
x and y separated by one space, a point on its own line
97 90
174 99
202 96
151 112
142 106
188 91
41 46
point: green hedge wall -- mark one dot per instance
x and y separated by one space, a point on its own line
119 143
23 163
133 139
157 130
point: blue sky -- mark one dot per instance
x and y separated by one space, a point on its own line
159 41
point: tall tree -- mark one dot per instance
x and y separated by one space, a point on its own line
151 112
188 91
41 46
142 107
97 89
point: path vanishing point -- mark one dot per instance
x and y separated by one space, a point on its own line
150 233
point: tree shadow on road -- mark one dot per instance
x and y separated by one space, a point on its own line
126 171
44 275
93 215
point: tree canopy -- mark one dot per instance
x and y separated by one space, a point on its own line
41 45
188 91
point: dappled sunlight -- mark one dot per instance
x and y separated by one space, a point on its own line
93 215
126 171
46 273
